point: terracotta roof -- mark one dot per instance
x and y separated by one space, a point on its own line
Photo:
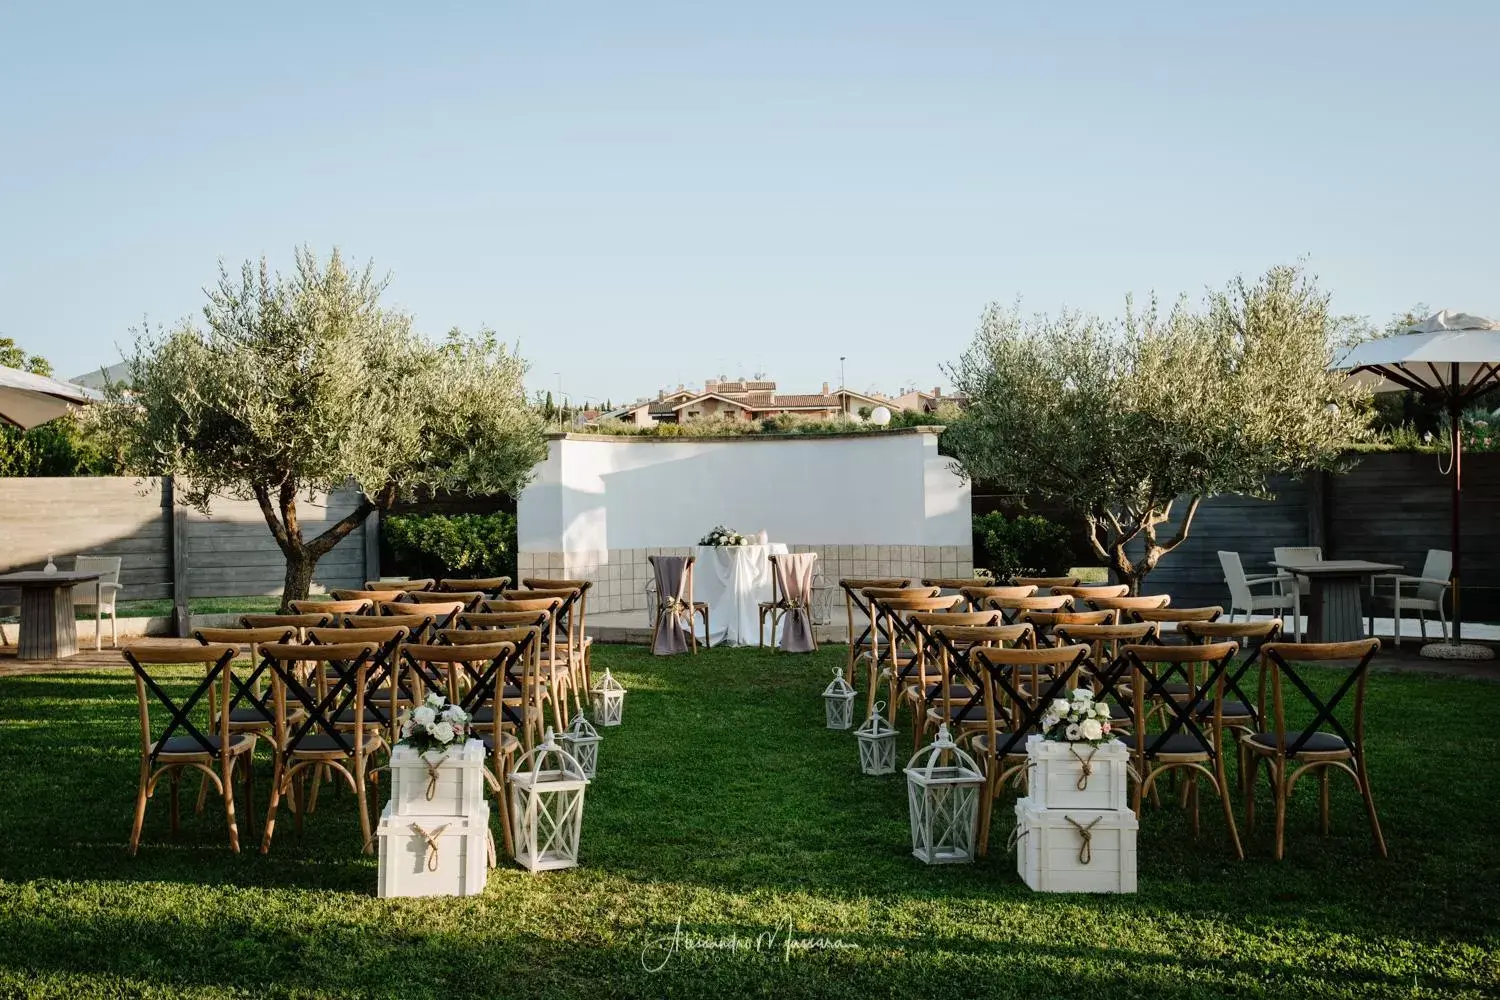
707 395
810 401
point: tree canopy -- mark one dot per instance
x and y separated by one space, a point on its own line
1122 419
301 383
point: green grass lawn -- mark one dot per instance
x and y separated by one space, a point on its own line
724 805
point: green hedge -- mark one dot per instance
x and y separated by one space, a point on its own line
1029 545
439 545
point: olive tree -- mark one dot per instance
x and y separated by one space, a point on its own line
1125 420
296 385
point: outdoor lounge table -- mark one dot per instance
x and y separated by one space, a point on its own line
1333 609
48 631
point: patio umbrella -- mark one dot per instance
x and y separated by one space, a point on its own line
27 399
1450 357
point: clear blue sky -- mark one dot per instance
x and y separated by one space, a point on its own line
642 193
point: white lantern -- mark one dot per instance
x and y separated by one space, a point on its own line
877 743
838 701
546 806
582 741
608 699
943 785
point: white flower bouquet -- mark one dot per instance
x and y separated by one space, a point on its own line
1079 719
436 724
724 536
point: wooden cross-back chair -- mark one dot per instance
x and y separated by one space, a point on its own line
418 584
892 652
1011 608
556 652
250 709
1084 591
330 608
315 742
470 674
571 621
375 597
442 612
1242 715
470 599
181 743
853 586
1044 584
952 584
384 695
1128 604
1104 667
1011 691
932 670
1182 744
977 594
951 699
1312 749
1047 622
685 601
298 622
486 584
418 626
523 690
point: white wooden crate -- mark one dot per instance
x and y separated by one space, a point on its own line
460 782
1055 770
407 862
1048 849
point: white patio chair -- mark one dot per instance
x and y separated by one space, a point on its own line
99 594
1286 598
1416 593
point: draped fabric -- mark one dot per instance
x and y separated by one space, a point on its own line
675 616
794 577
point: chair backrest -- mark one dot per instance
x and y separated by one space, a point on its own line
297 622
488 584
966 618
1148 684
1047 621
1165 615
286 662
481 621
1279 659
949 582
1234 578
1084 591
108 567
329 608
251 637
976 595
1142 603
415 625
1016 686
441 611
1437 566
144 658
439 666
1298 553
470 598
979 635
421 583
372 596
1045 583
899 593
858 583
380 635
1039 602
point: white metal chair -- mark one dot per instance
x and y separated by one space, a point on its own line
1285 598
99 594
1416 593
1299 554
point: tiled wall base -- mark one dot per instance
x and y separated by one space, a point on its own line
620 575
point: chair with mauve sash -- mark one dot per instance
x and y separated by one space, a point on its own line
1182 745
1011 691
1310 748
181 744
317 742
855 601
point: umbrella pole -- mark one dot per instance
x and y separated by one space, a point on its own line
1458 476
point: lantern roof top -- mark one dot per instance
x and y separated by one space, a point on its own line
876 725
838 687
548 764
943 762
608 682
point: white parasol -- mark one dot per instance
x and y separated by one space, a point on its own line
27 400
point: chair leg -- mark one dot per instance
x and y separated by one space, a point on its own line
1364 790
140 807
1223 783
987 808
1278 790
227 777
1422 623
277 778
114 633
1250 764
362 799
504 803
176 777
1324 825
98 626
1396 611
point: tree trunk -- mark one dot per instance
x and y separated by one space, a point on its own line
1118 533
298 581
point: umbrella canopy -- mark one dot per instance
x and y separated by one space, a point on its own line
27 399
1451 357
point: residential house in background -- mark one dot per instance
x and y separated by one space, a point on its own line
926 402
742 399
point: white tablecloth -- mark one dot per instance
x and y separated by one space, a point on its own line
733 580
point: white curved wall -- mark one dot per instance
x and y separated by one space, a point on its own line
599 505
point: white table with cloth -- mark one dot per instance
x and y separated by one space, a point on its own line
733 580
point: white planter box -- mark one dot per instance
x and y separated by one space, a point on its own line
459 790
1049 849
409 867
1055 772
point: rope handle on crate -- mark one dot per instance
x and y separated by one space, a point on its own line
1085 766
432 843
1086 847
